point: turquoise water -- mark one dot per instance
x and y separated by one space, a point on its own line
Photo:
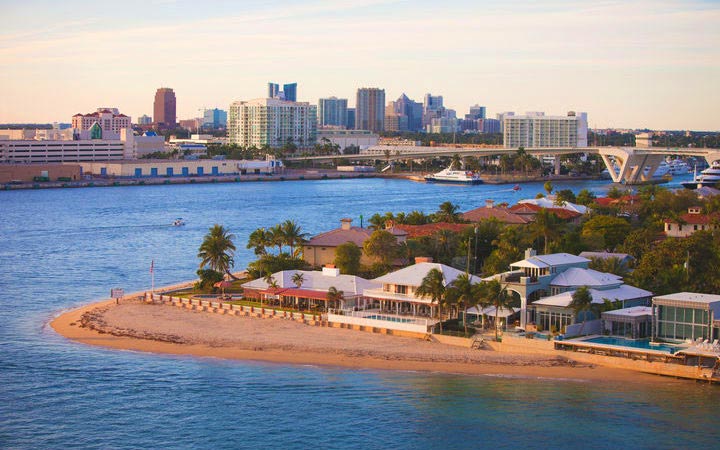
64 248
634 343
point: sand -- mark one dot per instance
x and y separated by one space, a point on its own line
156 328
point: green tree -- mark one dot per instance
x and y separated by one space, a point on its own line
333 296
456 162
585 197
217 249
610 265
382 245
581 303
259 240
444 245
433 287
493 293
547 226
465 293
277 237
293 236
448 212
208 278
548 186
564 196
298 279
612 229
347 258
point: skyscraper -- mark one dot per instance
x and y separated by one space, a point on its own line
289 92
411 110
476 112
539 130
272 122
332 112
164 108
214 118
350 119
370 109
432 108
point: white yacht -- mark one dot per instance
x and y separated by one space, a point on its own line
708 177
678 167
450 175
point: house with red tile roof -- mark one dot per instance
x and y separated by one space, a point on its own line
694 220
320 250
500 213
428 229
529 210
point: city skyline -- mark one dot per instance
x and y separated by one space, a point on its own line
649 64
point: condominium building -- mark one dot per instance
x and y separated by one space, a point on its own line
109 119
164 107
332 112
272 122
538 130
370 109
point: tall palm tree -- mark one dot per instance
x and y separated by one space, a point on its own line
456 162
448 212
433 285
259 240
293 235
493 293
217 249
581 303
277 237
464 292
271 282
333 295
547 226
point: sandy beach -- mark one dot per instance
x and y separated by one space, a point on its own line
138 326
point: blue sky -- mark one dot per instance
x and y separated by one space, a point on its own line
627 63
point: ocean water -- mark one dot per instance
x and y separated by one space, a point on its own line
64 248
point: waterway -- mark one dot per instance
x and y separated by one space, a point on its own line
66 247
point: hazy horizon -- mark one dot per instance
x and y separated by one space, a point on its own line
644 64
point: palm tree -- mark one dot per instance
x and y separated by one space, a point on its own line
298 279
277 237
464 292
216 250
493 293
456 162
259 240
433 286
293 235
547 226
333 295
448 212
271 282
581 303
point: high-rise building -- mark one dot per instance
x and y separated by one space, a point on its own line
537 130
272 122
144 120
501 117
109 120
350 119
332 112
370 109
288 93
489 126
476 112
214 118
411 111
432 109
164 108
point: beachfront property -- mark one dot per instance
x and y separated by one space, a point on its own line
500 213
306 289
393 304
686 316
694 220
548 282
634 322
320 250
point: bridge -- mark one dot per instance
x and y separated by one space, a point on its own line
631 161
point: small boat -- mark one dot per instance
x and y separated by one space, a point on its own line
178 222
450 175
516 187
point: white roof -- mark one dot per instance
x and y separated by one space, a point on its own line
490 311
553 259
576 276
691 297
633 311
624 292
413 275
549 202
317 281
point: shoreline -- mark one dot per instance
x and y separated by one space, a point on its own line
67 325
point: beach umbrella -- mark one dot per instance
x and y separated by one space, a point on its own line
223 284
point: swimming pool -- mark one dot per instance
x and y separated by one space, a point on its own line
390 318
634 343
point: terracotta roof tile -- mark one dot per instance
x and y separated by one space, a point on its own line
338 236
415 231
502 214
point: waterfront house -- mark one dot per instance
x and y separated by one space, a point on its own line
429 229
694 220
502 214
320 250
634 322
686 316
312 293
530 210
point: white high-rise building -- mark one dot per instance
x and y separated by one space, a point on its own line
272 122
537 130
109 119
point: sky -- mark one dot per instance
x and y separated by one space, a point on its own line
628 64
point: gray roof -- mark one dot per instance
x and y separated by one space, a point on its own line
551 260
413 275
576 276
317 280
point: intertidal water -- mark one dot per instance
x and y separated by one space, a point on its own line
64 248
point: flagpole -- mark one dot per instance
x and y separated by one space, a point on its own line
152 276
